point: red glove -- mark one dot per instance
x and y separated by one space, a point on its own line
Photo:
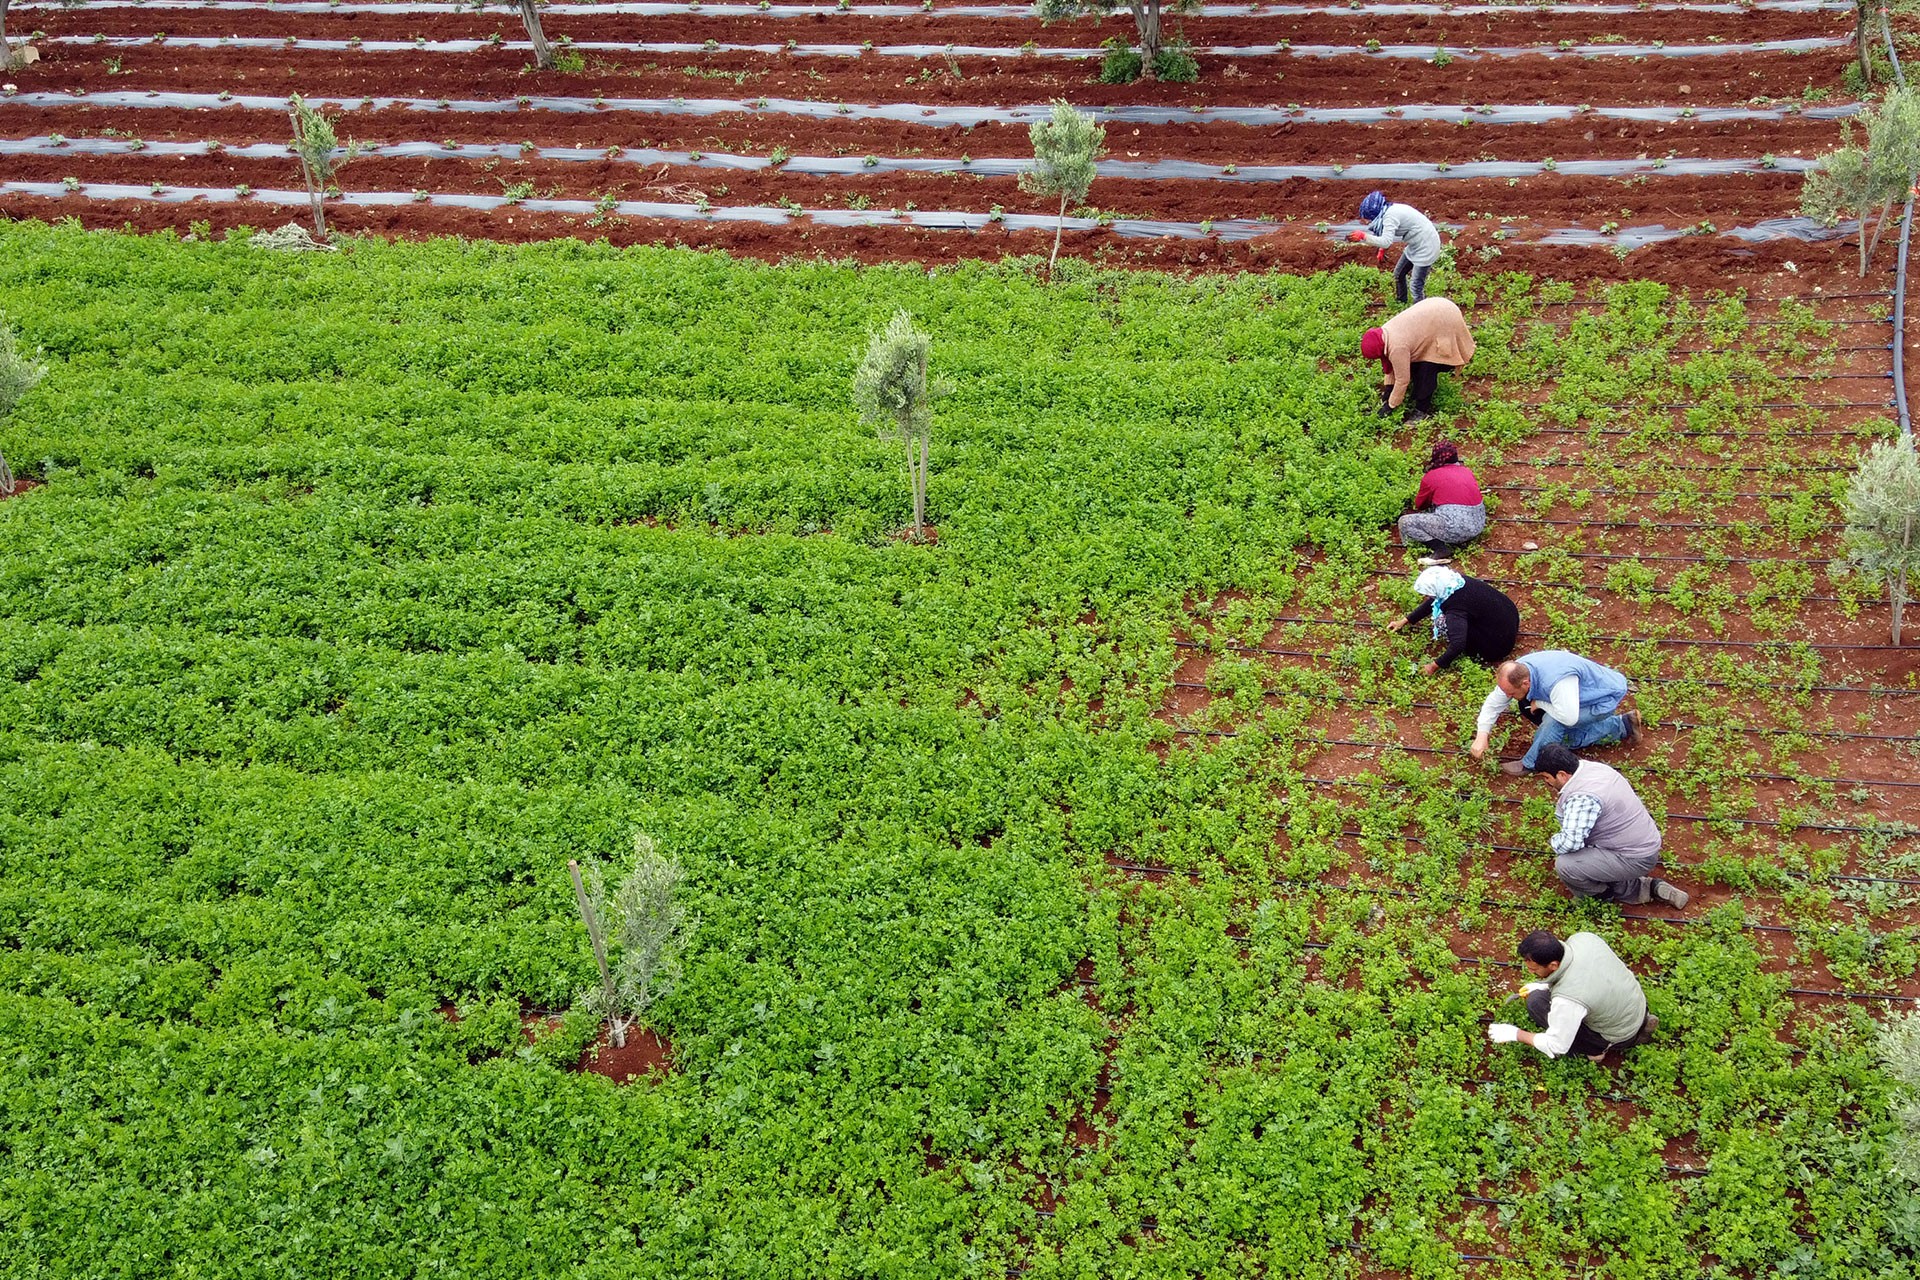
1356 236
1380 258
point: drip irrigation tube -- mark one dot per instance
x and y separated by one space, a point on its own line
1593 588
1423 53
1200 686
1864 430
942 116
859 166
1408 895
1869 692
1359 624
1647 493
1704 404
1547 853
726 10
1416 705
1654 556
1900 268
1900 316
939 220
1586 464
1610 523
1670 816
1411 749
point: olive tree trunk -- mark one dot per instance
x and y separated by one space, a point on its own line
307 175
1146 20
542 51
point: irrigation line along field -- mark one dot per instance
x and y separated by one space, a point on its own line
887 166
725 10
1610 492
1357 624
1868 691
1642 525
942 116
1830 735
1233 229
1388 891
1419 52
1421 750
1850 877
1671 815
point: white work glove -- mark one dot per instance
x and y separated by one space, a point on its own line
1532 987
1503 1033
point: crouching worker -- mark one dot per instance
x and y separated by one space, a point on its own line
1570 698
1449 511
1587 1001
1414 348
1475 619
1608 844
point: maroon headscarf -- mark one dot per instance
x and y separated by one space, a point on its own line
1373 346
1445 454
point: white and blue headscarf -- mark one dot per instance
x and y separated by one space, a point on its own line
1438 582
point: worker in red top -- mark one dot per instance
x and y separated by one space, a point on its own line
1448 511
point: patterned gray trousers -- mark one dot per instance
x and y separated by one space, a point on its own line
1444 524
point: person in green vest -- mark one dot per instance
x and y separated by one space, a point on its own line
1586 1000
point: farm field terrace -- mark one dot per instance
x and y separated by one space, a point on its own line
1071 906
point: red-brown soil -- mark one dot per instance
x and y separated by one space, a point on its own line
1730 79
1520 27
758 133
644 1054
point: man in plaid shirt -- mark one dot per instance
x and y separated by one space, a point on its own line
1607 842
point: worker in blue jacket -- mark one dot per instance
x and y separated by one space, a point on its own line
1574 701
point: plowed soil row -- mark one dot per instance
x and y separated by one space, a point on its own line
1726 80
1523 26
759 134
1706 263
1538 204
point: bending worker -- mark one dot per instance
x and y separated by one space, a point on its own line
1607 843
1458 511
1414 348
1473 617
1572 699
1587 1000
1388 224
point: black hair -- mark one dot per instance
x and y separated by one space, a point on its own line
1554 758
1542 947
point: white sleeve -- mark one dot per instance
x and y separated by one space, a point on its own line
1563 704
1491 710
1563 1023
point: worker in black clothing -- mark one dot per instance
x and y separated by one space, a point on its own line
1473 617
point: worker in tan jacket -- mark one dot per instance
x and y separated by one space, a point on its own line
1413 349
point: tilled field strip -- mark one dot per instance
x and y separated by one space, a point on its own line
1421 52
937 116
1008 11
1796 229
989 166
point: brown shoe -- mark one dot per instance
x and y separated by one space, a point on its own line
1634 725
1512 768
1647 1028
